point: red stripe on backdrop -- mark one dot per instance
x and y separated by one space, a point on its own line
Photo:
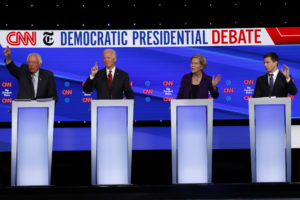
285 35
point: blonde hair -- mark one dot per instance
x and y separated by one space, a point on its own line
201 58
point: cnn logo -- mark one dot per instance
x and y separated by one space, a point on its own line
15 38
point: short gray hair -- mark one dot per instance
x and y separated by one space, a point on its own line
37 55
113 52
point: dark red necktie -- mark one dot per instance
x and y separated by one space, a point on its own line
109 79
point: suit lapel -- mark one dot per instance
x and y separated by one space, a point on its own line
104 77
266 83
40 80
28 74
278 79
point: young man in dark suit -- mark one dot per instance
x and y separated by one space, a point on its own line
110 82
34 83
274 83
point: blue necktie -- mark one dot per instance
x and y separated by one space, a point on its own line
271 83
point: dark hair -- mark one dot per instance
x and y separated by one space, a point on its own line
274 57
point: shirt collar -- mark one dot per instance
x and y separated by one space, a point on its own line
112 70
36 73
274 73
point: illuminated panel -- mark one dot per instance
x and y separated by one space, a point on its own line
32 147
112 145
270 143
192 144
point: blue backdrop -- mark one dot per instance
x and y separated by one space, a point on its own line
155 74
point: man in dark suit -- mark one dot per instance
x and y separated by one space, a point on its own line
110 82
34 83
274 83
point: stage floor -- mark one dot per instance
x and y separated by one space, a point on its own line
132 192
151 178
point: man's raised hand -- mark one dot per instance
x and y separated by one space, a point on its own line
94 70
7 54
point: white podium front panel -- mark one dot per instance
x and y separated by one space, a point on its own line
32 136
112 145
270 143
32 156
270 133
191 140
192 144
111 141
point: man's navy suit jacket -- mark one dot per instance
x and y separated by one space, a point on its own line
281 87
120 85
46 84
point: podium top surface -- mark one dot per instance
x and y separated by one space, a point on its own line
112 102
191 102
269 100
33 103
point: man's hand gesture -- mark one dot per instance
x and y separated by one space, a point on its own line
94 70
7 54
286 72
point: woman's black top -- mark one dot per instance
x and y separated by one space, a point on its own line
194 91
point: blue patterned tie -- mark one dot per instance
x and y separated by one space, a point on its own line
271 83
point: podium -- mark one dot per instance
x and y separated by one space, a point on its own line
112 126
31 142
191 123
270 139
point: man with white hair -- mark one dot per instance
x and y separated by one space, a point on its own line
110 82
34 83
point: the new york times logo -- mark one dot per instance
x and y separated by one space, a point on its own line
48 38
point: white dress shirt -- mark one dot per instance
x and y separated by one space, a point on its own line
112 72
35 81
275 76
107 72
